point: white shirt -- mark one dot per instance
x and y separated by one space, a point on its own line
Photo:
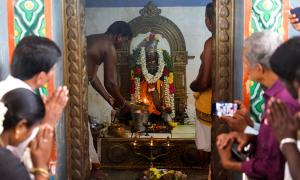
7 85
252 130
11 83
287 174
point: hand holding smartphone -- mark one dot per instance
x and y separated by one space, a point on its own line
239 156
296 11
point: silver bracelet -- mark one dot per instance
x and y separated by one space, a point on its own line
285 141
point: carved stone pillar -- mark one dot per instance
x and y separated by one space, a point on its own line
76 79
223 74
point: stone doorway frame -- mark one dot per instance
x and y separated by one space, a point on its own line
75 77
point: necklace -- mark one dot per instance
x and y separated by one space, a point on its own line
151 79
1 143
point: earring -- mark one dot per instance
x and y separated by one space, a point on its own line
17 134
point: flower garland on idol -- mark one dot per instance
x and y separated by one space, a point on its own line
139 73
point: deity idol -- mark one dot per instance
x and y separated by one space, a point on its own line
152 77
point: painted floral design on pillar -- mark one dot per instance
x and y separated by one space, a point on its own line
29 19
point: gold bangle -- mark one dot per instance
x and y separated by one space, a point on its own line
41 171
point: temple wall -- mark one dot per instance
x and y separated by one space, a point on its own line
57 36
262 15
3 42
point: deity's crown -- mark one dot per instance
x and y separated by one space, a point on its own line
150 43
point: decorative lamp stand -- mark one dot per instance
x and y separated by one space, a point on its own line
153 148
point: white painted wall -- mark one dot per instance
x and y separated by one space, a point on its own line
4 59
190 21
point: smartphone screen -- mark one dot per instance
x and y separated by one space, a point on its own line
296 11
224 109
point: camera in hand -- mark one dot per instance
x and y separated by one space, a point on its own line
239 155
224 109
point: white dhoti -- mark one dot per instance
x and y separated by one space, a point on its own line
204 120
93 154
203 136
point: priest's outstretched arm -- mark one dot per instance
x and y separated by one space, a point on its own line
110 82
95 81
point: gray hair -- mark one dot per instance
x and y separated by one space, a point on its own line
260 46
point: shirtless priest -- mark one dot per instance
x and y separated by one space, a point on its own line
101 49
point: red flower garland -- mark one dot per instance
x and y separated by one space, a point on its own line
165 71
172 88
138 71
132 86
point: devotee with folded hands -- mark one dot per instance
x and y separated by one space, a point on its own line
21 112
